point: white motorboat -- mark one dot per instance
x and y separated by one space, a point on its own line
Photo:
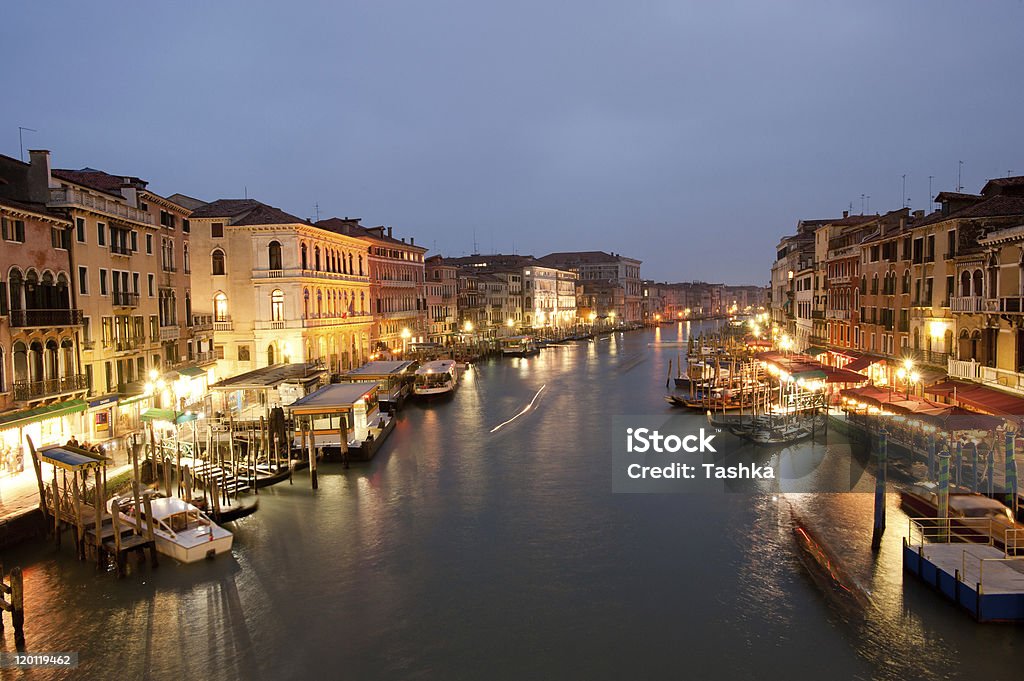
181 530
436 378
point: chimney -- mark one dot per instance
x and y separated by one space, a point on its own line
412 241
846 214
389 232
39 176
919 214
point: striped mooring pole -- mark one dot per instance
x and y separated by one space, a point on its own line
944 493
1010 483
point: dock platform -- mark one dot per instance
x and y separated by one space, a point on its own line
983 579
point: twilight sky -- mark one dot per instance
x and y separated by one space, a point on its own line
689 134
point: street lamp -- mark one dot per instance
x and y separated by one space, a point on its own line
510 323
406 334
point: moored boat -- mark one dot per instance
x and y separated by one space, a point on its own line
180 530
436 378
518 346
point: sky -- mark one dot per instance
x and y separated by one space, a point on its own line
691 135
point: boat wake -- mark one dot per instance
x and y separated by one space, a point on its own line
524 410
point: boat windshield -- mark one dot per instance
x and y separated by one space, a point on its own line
180 522
432 379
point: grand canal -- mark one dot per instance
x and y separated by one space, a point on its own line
465 553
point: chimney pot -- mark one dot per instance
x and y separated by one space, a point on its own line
846 213
389 231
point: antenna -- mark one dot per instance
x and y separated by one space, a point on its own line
904 190
931 197
245 190
862 204
868 197
959 168
474 241
316 207
21 145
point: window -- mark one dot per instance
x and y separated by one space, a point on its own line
134 241
80 230
274 252
12 230
277 306
216 229
135 282
154 329
167 219
185 226
86 329
83 280
217 262
220 308
951 243
101 234
149 244
186 261
149 281
60 238
103 282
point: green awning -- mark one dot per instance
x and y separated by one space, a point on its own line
810 374
41 413
169 415
192 371
815 351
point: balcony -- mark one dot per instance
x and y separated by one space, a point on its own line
88 344
170 333
970 370
817 314
207 357
939 359
202 322
120 249
126 344
71 198
301 273
168 268
45 318
223 324
36 390
1009 305
967 304
124 299
837 314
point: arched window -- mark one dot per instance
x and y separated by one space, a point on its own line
965 283
350 271
3 370
270 355
20 363
277 306
302 256
360 266
186 259
217 262
220 308
319 303
316 258
274 251
17 286
979 283
906 281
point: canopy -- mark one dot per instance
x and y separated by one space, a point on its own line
40 413
863 363
169 415
980 397
815 351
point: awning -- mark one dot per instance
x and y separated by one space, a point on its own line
863 363
980 397
844 376
192 372
169 415
814 351
71 458
41 413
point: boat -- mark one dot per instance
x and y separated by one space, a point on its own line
973 517
343 420
518 346
436 378
771 429
237 509
181 530
826 570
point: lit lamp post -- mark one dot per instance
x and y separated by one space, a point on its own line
611 316
406 335
510 323
592 317
468 328
786 343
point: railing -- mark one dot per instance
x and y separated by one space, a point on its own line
127 344
169 333
30 390
202 322
124 299
120 249
205 357
31 318
62 196
287 272
939 359
223 324
966 304
168 268
88 344
959 368
837 314
1010 304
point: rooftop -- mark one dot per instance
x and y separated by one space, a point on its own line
99 180
272 376
333 395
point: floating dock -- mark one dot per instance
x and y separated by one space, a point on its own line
983 579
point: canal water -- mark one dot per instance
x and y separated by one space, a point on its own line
465 552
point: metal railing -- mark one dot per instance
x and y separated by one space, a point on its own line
124 299
30 318
29 390
120 249
169 333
